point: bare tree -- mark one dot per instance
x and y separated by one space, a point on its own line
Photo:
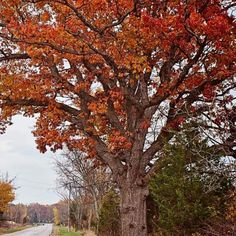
85 186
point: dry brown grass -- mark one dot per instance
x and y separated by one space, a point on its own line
88 233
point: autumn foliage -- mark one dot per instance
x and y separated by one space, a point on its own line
7 195
103 75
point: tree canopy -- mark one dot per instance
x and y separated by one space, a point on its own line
118 78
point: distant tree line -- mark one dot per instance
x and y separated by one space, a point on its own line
35 213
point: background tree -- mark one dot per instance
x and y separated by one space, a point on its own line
35 218
97 73
62 207
56 216
44 212
109 216
191 187
7 195
84 185
17 212
32 213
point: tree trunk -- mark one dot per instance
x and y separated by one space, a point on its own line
133 210
90 218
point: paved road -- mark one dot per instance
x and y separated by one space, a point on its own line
44 230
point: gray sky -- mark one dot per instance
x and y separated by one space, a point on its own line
34 172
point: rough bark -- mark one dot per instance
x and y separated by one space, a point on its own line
133 210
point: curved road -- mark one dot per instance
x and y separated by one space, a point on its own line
44 230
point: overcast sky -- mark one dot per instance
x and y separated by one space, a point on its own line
34 172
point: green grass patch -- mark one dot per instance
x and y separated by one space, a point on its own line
63 231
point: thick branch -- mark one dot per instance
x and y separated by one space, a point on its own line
16 56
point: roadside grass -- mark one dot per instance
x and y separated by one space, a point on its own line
63 231
8 231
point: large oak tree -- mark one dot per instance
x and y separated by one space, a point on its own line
102 75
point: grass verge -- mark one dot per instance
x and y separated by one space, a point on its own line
63 231
8 231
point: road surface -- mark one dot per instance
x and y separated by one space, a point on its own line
43 230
